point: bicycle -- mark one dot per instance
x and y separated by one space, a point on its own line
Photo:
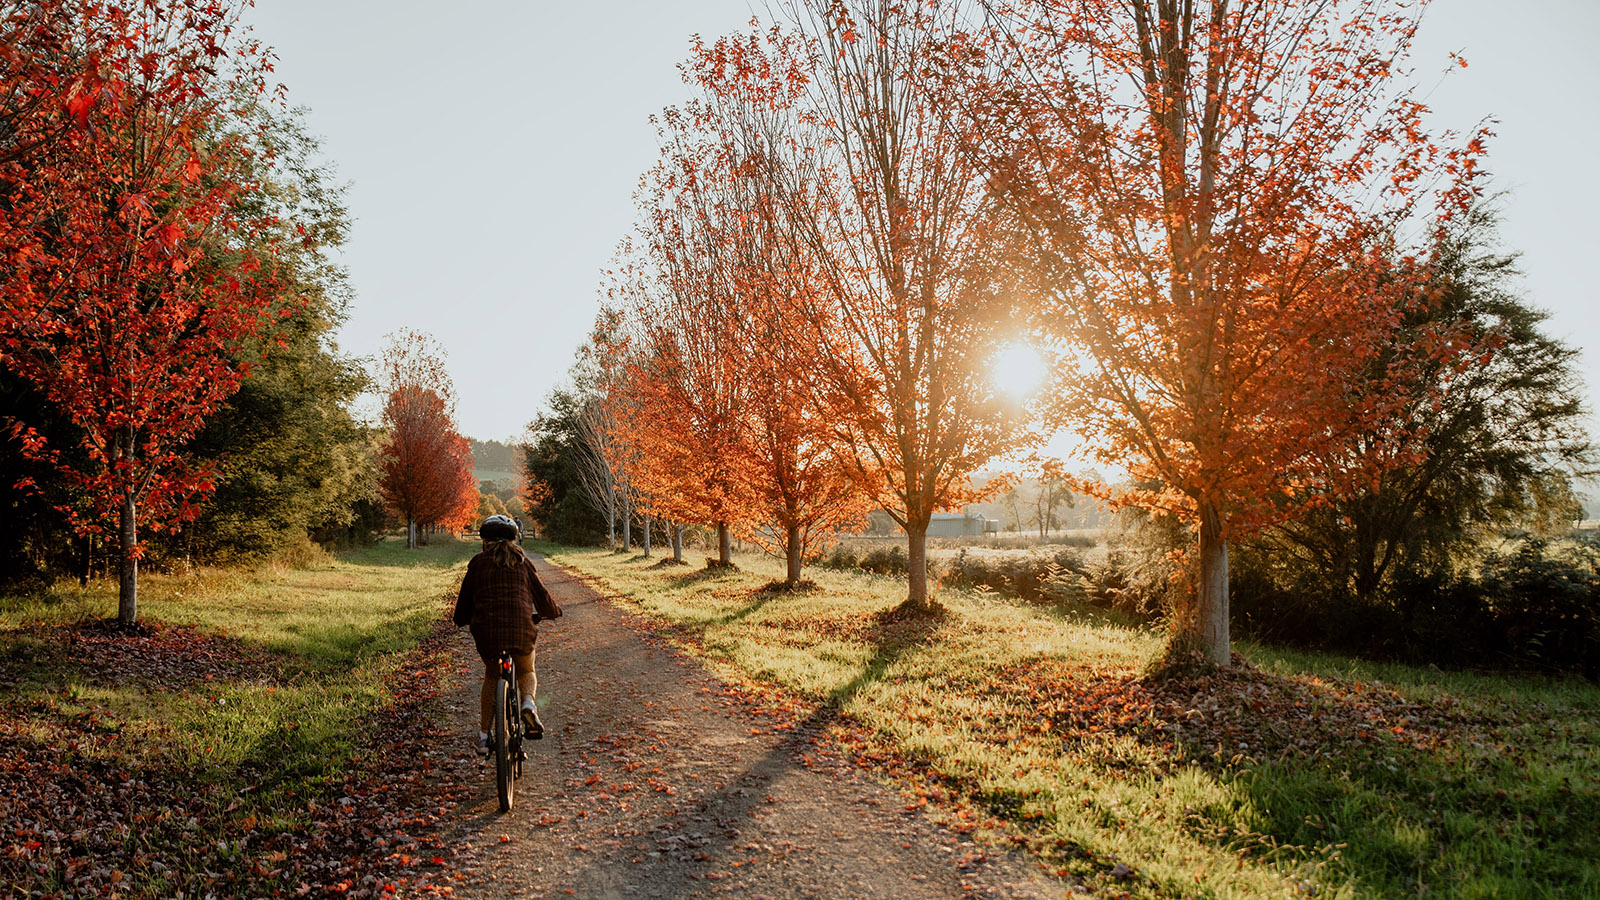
505 735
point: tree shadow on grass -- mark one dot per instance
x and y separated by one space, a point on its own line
759 598
777 588
892 632
699 576
757 601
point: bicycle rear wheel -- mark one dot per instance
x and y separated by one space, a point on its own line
504 709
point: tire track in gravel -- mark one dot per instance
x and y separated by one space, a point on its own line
652 781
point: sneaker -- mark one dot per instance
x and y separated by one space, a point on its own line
531 726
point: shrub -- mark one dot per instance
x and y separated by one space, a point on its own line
303 553
1058 579
890 560
1544 607
840 557
1536 606
885 561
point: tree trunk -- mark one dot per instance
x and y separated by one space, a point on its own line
411 534
647 536
677 543
1211 609
88 560
917 568
627 527
128 590
792 551
724 544
611 519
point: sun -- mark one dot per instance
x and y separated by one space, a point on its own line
1018 369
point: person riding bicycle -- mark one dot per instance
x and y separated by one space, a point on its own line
503 600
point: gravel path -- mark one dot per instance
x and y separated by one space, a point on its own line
652 781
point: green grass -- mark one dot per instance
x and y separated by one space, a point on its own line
1507 806
311 649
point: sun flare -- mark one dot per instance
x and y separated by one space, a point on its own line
1018 370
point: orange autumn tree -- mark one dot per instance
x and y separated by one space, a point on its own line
681 284
686 394
425 464
799 480
914 287
1214 189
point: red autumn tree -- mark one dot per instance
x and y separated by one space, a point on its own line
458 509
425 465
36 73
914 288
1214 188
134 263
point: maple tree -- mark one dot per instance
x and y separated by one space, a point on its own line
1215 189
913 289
35 74
685 384
137 265
425 464
798 478
686 432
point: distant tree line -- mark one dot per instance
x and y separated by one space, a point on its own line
497 456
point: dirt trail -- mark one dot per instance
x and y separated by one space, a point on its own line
650 783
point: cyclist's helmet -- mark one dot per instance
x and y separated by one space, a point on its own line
499 528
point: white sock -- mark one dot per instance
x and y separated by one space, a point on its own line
527 703
483 735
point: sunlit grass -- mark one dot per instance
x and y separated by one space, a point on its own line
1516 816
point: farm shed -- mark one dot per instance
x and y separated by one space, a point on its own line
961 525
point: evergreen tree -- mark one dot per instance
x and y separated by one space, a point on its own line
552 469
292 459
1497 445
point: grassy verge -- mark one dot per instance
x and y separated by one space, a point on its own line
224 721
1296 775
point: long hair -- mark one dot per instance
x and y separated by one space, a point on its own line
505 554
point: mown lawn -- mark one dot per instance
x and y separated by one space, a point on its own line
145 762
1296 775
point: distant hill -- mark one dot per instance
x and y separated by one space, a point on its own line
493 460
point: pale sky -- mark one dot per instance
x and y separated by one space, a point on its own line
493 148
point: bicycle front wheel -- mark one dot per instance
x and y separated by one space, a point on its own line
504 709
